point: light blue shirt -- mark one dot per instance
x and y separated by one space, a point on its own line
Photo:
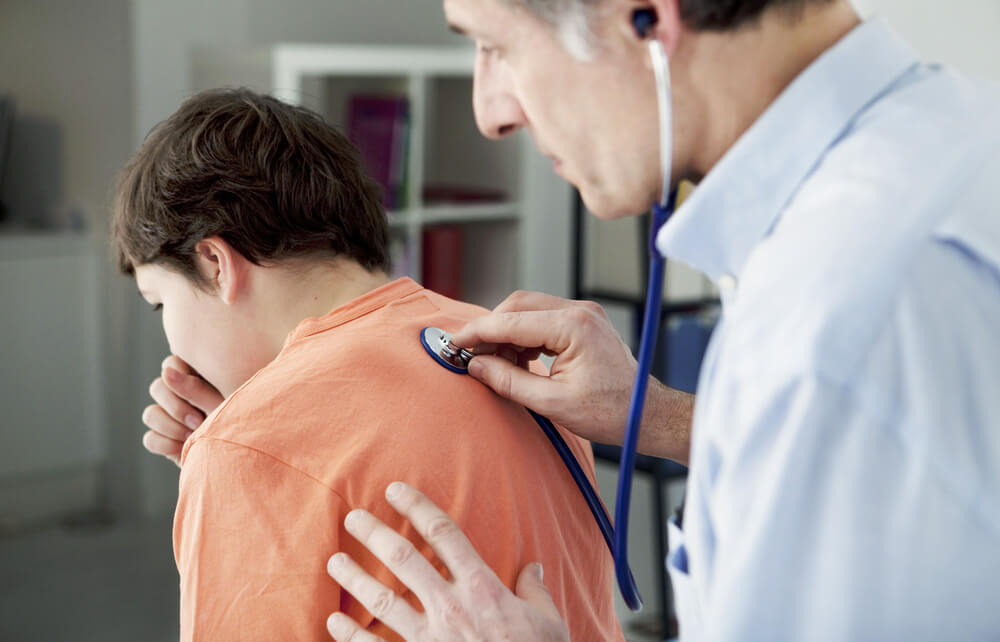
845 464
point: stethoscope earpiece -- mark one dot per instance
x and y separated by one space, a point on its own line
644 20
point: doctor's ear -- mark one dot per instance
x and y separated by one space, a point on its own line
224 268
659 19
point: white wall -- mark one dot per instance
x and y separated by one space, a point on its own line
962 33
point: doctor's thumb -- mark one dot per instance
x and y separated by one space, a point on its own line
508 380
531 589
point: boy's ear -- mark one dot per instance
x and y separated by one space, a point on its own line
224 267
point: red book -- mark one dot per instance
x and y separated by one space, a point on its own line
442 264
378 127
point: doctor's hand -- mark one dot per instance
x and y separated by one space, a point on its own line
589 385
473 605
183 400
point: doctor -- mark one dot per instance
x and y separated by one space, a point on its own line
845 457
845 449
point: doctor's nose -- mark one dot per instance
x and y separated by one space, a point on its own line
498 113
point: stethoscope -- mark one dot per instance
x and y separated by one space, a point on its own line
456 359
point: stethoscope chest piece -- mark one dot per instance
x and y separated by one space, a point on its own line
438 344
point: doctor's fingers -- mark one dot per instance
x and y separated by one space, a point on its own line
553 331
525 301
381 602
192 388
343 629
516 382
439 531
397 553
160 445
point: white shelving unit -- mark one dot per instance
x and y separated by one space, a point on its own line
52 442
504 248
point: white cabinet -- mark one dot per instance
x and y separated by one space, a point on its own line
51 433
521 240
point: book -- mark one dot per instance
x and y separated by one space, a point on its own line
378 126
442 259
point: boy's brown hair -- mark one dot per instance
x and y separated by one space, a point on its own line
273 180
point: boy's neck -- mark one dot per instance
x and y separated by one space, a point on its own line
285 295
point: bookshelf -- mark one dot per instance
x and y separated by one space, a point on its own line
501 250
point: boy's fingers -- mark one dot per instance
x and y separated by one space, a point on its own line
193 389
159 421
175 362
160 445
178 409
343 629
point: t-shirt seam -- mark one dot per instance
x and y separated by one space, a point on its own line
273 457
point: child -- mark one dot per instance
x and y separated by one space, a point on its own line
253 226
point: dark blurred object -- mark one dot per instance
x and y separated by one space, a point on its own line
6 117
441 193
34 175
681 346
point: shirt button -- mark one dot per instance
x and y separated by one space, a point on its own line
727 283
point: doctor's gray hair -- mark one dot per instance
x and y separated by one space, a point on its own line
571 18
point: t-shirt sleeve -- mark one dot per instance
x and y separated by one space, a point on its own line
252 537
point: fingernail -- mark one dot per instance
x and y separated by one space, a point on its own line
192 421
352 520
171 375
394 490
336 562
475 368
540 571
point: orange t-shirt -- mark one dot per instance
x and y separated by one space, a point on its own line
352 403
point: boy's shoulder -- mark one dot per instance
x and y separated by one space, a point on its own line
332 378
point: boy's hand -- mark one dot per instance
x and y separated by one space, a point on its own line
183 400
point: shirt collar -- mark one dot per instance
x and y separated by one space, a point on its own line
740 199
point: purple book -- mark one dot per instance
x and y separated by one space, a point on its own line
377 125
